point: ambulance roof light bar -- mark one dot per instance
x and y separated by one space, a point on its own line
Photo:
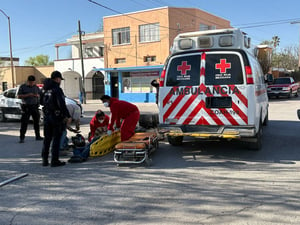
221 38
207 32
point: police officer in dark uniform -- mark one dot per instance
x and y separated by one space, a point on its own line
55 114
30 95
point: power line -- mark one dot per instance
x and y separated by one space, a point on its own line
31 48
268 23
124 14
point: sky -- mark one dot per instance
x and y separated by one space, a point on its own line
37 25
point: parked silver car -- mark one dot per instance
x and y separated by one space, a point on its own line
10 105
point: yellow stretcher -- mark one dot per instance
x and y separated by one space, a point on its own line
137 149
105 144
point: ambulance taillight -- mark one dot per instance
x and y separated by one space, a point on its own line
249 75
162 78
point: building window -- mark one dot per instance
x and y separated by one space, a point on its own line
4 85
149 58
89 51
139 82
149 32
120 60
121 36
204 27
101 51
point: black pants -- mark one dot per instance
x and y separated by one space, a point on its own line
27 111
52 134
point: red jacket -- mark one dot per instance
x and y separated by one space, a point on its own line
94 124
120 110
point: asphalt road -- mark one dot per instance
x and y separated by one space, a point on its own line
197 183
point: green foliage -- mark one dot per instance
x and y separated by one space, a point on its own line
39 60
287 58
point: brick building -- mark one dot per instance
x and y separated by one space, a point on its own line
137 44
145 37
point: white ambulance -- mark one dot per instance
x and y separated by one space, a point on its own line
212 87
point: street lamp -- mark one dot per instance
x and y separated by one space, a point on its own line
10 48
296 22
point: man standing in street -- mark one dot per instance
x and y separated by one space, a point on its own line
30 95
126 111
55 114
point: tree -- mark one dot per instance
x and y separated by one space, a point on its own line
39 60
287 58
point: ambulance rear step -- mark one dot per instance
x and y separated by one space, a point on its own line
209 132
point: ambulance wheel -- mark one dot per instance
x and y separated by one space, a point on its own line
175 140
256 142
2 116
266 120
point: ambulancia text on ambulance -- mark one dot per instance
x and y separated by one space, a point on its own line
212 86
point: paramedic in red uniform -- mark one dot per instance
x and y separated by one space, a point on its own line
100 120
126 111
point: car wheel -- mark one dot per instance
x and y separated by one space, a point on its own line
2 116
175 140
290 94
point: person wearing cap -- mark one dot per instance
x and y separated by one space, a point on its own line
122 110
55 115
98 124
30 95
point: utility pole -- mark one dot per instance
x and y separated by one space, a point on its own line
10 49
82 64
135 50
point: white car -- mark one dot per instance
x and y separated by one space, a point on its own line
10 105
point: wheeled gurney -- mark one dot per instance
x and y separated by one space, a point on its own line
137 149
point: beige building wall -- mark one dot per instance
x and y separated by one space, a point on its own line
172 21
21 74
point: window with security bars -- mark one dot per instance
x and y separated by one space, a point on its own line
149 58
204 27
149 32
121 36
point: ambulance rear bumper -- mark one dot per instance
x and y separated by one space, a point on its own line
208 131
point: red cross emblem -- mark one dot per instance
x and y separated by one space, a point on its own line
184 67
223 66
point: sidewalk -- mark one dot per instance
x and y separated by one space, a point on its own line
145 108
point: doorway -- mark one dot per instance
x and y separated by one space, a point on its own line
114 85
98 85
